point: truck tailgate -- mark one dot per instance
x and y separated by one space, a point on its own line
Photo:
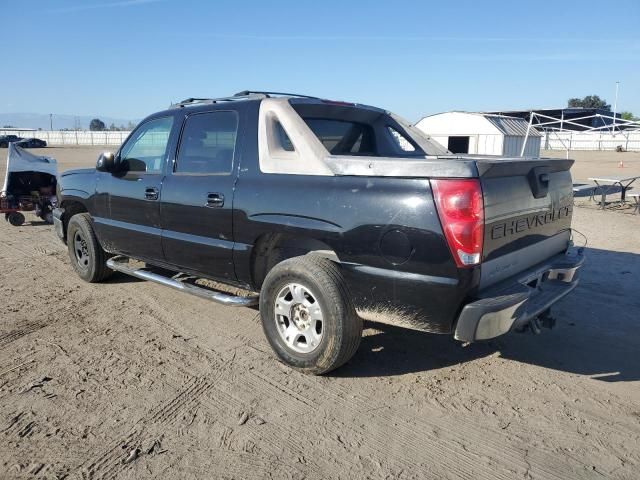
528 208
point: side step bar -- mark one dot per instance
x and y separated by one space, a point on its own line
120 264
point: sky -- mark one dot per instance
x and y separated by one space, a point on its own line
130 58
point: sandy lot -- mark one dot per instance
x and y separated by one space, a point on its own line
128 379
589 164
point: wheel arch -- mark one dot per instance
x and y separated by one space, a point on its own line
72 206
272 248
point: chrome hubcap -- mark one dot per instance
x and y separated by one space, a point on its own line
81 250
298 318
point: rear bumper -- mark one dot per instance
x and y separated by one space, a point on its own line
517 300
58 225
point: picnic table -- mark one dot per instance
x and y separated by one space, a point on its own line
606 185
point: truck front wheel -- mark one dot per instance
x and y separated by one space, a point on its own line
308 316
88 258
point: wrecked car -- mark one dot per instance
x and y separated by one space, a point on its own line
29 186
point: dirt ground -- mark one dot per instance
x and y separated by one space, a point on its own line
590 164
129 379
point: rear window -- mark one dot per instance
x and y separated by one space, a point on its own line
342 137
346 129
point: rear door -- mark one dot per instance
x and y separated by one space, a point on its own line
132 226
528 206
197 195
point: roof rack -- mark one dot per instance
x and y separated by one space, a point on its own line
243 95
271 94
193 101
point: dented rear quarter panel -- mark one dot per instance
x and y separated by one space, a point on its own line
359 218
385 232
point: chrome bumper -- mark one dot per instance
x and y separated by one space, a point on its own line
517 300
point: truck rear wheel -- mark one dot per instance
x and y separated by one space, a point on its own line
88 258
308 316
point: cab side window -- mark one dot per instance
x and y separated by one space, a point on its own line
146 150
208 143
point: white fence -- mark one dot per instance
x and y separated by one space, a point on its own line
65 137
628 140
565 140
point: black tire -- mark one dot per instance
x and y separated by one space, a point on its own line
341 327
15 218
88 258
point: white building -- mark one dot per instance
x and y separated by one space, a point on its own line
481 133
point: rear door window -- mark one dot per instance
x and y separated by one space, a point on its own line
208 143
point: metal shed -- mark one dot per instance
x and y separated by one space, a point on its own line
482 133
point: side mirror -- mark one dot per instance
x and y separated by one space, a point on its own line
106 162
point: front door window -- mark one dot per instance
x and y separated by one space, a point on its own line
146 150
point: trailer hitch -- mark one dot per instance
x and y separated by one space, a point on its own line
547 320
537 323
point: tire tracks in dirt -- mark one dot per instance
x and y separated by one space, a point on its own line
423 442
433 441
112 461
26 329
343 434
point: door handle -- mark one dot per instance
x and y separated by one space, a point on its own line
215 200
151 193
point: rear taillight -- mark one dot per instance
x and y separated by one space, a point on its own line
461 211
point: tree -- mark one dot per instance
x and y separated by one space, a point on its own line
590 101
627 116
96 125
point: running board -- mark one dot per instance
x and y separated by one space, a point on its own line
120 264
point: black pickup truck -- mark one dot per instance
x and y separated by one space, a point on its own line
325 213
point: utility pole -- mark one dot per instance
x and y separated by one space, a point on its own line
615 107
51 121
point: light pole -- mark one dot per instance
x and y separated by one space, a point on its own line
51 121
615 107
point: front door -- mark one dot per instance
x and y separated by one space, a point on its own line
133 224
197 196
